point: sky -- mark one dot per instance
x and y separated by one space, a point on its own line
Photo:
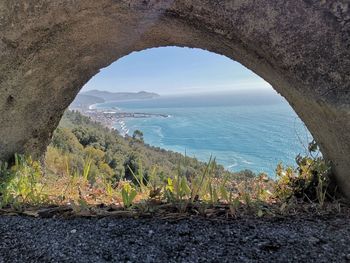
174 70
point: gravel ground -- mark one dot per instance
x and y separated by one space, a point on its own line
308 239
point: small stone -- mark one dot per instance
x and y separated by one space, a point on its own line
348 257
314 240
327 247
73 231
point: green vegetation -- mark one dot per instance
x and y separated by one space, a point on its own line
310 181
21 184
138 135
90 165
113 157
128 194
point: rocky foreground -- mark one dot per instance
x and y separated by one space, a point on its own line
298 239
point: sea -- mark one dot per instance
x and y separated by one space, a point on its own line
253 130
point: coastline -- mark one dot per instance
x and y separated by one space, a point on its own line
112 117
255 137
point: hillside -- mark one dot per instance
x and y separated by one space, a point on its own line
83 101
88 165
79 138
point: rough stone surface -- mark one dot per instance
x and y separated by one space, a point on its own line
50 48
309 239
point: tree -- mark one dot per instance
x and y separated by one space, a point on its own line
131 162
113 163
65 140
138 135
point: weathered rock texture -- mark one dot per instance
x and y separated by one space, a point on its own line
50 48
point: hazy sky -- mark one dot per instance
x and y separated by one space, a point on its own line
174 70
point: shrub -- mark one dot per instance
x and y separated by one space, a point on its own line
128 195
310 181
21 184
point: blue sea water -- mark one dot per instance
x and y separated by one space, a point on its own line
243 130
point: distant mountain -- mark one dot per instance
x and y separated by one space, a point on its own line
121 96
84 101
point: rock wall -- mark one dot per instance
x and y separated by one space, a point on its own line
50 48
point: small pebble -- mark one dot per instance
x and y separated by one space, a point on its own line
314 240
73 231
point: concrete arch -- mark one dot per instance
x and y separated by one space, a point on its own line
50 48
